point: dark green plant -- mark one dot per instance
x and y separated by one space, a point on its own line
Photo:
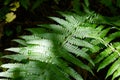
56 47
76 40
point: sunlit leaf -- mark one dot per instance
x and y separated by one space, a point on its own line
10 17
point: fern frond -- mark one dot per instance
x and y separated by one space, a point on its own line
20 41
78 52
113 68
55 46
64 38
111 55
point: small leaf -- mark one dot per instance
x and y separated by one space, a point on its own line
10 17
6 74
75 50
15 6
11 65
17 57
73 73
113 68
108 60
116 74
102 55
21 42
14 49
74 60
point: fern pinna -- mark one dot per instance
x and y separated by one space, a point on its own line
110 56
50 51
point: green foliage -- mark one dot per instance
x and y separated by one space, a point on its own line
57 46
108 56
53 51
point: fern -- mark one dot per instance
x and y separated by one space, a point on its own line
110 55
55 47
50 51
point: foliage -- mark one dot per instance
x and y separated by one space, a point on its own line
81 38
48 49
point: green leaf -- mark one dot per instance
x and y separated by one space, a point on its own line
81 43
63 23
74 74
113 68
71 58
20 41
55 28
37 30
116 74
78 52
111 37
102 55
11 65
6 74
104 32
14 49
17 57
108 60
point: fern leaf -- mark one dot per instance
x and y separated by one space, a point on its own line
111 37
11 65
22 42
104 32
70 18
102 55
17 57
6 74
74 74
52 47
71 58
116 74
85 32
62 22
4 79
30 37
81 43
17 50
37 30
78 52
113 68
54 27
108 60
